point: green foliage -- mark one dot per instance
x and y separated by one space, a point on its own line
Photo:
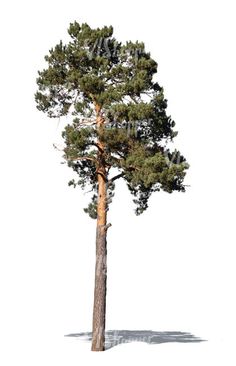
91 210
94 69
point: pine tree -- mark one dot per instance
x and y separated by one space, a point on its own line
119 129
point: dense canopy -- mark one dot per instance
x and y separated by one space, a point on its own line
118 114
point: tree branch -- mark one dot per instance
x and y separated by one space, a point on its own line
99 147
85 121
106 227
115 178
102 174
133 99
118 153
122 174
83 158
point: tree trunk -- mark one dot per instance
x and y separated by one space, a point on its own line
99 307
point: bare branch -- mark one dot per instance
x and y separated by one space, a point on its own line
133 99
115 177
91 190
95 144
118 153
87 122
150 95
122 174
83 158
57 148
106 227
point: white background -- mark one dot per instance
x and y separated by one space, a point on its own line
173 268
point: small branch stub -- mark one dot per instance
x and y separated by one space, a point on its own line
106 227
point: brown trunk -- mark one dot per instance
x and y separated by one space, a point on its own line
99 307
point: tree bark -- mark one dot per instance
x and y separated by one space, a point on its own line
99 307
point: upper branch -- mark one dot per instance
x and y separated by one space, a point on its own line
83 158
116 177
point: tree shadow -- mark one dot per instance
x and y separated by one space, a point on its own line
116 337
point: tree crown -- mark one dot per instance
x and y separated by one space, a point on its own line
116 108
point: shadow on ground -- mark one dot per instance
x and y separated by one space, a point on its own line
116 337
